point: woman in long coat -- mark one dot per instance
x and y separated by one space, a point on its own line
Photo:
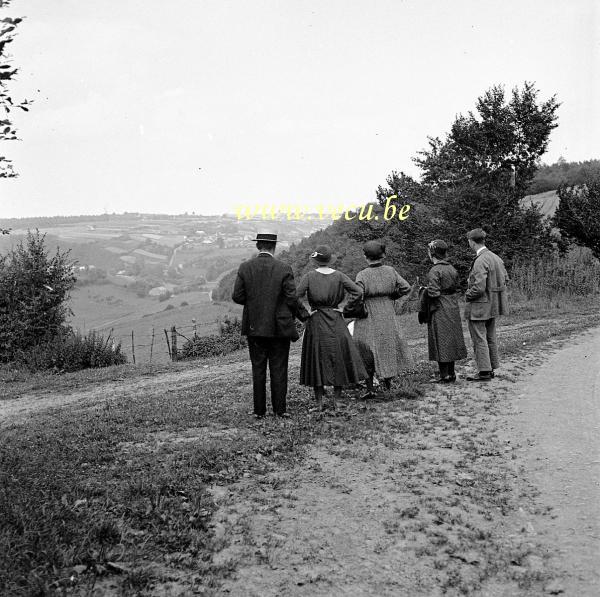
444 329
379 337
329 356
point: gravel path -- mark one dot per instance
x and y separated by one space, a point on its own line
559 418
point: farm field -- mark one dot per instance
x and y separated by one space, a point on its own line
110 309
546 202
125 262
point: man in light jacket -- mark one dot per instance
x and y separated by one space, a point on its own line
486 300
266 288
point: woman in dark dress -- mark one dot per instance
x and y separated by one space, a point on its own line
444 329
329 356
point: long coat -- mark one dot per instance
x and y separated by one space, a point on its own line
444 330
266 288
486 292
379 336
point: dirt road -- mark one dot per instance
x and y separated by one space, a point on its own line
342 525
558 421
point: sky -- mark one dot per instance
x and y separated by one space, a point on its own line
206 106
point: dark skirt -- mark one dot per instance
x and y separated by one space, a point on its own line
329 356
445 335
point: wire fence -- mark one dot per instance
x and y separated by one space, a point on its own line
157 345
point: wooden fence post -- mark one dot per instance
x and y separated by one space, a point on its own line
152 345
168 345
132 347
173 344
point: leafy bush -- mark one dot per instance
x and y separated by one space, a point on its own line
71 351
228 340
230 326
33 301
578 214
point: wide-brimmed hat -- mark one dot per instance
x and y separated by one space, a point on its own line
265 236
323 255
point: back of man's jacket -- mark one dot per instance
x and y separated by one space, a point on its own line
486 292
266 288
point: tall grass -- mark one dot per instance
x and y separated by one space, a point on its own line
72 351
556 281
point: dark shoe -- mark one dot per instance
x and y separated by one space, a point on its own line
480 377
446 379
367 396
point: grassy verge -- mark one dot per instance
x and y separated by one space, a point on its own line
118 497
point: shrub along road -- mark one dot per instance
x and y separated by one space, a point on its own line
161 484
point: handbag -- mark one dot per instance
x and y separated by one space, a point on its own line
424 313
356 309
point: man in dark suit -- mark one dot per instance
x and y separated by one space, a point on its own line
266 288
486 300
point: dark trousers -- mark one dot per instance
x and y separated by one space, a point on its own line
274 351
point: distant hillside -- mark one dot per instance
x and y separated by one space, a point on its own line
90 253
550 177
346 239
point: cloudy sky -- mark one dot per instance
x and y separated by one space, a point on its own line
201 105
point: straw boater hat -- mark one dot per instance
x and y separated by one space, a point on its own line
265 236
322 255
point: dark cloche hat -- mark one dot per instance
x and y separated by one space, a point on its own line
374 249
322 254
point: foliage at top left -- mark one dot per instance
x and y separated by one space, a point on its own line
8 72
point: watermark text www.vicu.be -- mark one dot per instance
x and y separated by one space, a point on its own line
335 212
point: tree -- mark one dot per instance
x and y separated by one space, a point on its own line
486 148
33 302
478 175
578 214
7 73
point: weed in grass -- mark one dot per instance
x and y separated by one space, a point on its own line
137 580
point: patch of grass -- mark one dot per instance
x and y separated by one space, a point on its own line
90 488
